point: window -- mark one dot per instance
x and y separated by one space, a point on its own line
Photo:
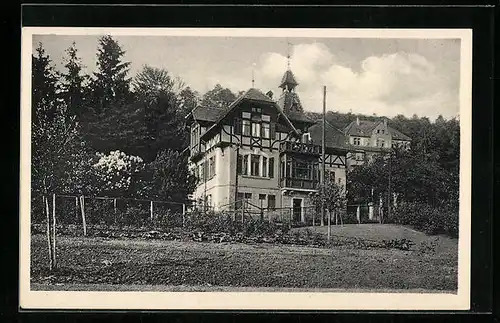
262 196
306 137
266 131
246 128
380 143
302 169
378 130
248 196
254 165
209 200
271 202
257 110
359 156
194 136
339 180
255 129
211 167
264 166
246 115
357 141
266 118
331 176
271 167
201 173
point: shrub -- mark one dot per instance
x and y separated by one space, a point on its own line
431 220
134 216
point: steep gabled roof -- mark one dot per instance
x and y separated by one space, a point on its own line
365 128
290 104
334 137
288 79
255 95
201 113
397 135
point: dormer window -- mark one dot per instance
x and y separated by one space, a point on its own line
255 129
306 137
356 141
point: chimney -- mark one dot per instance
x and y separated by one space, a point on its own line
357 120
385 123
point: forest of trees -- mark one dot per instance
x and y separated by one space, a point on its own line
111 134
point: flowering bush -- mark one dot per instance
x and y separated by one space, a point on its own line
114 172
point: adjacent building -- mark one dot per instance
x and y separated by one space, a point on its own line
263 150
367 139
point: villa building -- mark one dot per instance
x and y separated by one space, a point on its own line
265 151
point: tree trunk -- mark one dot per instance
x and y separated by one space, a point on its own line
54 230
49 238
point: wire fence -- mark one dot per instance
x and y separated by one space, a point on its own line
89 211
111 211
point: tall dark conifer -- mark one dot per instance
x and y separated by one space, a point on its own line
110 103
74 83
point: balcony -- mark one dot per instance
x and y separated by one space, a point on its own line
300 148
308 184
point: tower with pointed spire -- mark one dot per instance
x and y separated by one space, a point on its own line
289 100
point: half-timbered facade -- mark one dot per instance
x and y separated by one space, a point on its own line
367 139
265 151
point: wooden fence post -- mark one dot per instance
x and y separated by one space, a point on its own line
49 239
82 206
329 225
114 210
151 210
183 214
76 208
243 211
54 230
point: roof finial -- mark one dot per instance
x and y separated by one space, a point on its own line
253 74
288 53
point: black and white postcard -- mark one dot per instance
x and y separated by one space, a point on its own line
273 169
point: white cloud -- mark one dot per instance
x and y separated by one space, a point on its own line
396 83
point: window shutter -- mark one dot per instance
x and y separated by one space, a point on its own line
271 167
239 164
237 126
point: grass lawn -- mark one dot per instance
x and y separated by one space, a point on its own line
113 264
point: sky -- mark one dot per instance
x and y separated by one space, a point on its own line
385 77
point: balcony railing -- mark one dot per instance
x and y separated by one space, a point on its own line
299 147
299 183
